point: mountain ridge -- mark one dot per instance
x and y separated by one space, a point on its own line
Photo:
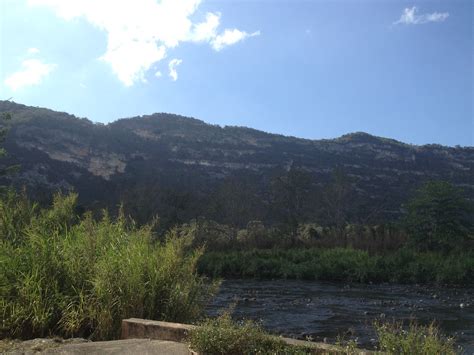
164 162
8 105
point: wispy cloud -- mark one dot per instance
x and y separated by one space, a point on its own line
33 50
172 67
32 72
140 33
410 16
230 37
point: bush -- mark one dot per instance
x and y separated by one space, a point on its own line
224 336
416 340
439 217
70 276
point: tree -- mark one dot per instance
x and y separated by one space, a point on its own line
6 116
439 217
235 202
338 200
291 194
3 133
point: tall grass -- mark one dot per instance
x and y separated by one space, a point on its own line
76 276
342 264
414 340
219 237
222 335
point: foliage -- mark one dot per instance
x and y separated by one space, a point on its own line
76 276
439 217
342 264
224 336
16 213
231 175
416 340
291 191
5 116
219 237
338 200
349 346
207 233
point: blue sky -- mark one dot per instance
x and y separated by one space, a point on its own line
312 69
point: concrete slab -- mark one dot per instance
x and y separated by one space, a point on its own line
145 328
136 328
119 347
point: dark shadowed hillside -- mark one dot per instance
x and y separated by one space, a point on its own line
180 168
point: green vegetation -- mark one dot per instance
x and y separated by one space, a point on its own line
3 133
218 237
416 340
180 168
71 275
439 217
342 264
5 116
433 245
224 336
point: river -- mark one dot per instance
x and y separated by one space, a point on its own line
321 311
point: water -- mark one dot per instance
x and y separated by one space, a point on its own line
320 310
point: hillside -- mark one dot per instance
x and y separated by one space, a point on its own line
180 168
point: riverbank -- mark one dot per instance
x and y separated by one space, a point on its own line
342 264
326 311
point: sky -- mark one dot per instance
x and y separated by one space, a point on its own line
311 69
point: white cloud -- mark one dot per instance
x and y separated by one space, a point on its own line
230 37
172 67
410 17
33 50
158 74
32 72
206 31
141 32
130 61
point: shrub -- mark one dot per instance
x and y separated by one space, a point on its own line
224 336
416 340
439 217
65 275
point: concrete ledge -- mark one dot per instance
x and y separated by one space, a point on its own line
310 344
134 328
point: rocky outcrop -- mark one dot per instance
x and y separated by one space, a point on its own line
165 151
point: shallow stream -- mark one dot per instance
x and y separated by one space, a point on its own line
321 311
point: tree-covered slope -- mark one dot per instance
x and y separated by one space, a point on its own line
179 168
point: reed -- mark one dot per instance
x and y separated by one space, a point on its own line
66 275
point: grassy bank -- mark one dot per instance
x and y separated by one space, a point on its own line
225 336
76 276
342 264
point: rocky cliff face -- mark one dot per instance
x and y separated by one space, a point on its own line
149 157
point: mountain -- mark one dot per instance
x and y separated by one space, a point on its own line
180 168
